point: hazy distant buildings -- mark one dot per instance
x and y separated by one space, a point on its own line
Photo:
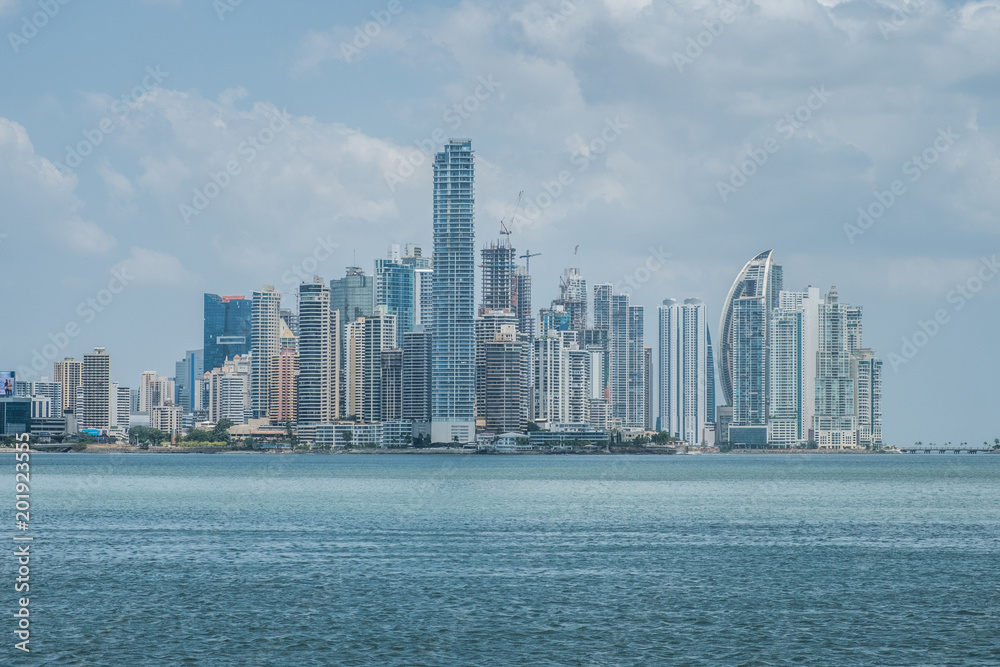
453 358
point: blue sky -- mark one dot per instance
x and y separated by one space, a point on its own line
651 112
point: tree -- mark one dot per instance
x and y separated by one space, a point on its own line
198 435
291 434
532 427
996 443
220 433
348 436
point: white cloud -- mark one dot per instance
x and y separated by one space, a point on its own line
150 267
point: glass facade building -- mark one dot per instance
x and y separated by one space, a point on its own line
227 329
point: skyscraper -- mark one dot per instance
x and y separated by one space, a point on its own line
96 390
187 372
521 303
866 371
505 406
392 384
264 342
378 335
229 391
760 278
453 360
319 355
628 363
227 329
792 367
69 374
353 295
417 378
284 403
490 322
573 298
685 370
834 423
602 306
498 276
395 288
744 344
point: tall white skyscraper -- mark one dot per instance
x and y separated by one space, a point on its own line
319 355
628 362
685 372
835 423
794 340
265 342
453 381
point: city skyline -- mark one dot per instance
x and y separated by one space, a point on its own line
644 158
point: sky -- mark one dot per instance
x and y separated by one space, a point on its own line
151 151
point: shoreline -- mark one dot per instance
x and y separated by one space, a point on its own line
445 451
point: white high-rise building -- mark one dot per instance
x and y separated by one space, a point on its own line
229 391
866 371
834 423
319 356
685 371
265 342
154 391
96 390
794 340
563 379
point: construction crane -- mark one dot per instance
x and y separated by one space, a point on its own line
527 259
504 229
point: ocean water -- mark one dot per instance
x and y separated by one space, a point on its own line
511 560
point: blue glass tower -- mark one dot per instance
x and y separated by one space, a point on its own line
394 289
453 345
227 329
